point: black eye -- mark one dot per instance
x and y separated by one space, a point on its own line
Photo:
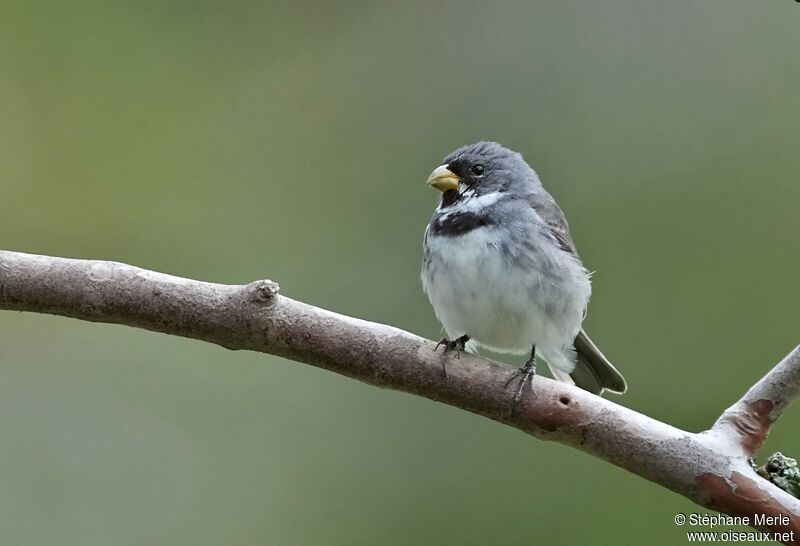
477 169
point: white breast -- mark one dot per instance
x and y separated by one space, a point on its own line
476 290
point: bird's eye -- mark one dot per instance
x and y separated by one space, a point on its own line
477 169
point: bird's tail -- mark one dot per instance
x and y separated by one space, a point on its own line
593 372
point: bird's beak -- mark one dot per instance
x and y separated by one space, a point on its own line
443 179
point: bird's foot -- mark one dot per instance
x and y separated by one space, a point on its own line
456 344
526 374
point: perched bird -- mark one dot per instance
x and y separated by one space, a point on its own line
502 272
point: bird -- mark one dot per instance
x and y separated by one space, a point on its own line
502 272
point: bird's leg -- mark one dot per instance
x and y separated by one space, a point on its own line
457 344
527 371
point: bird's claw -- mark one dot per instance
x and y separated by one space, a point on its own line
528 372
457 344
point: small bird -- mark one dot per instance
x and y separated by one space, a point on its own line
502 272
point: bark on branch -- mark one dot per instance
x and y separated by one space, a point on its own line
711 468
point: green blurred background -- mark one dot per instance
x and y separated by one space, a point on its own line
235 141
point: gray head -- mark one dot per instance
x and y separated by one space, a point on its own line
480 169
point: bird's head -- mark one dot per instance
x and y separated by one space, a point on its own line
482 169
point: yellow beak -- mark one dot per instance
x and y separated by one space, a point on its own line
443 179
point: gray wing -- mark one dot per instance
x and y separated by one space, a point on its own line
593 372
552 215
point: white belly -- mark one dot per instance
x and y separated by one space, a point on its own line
476 290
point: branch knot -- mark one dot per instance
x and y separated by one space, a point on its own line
263 291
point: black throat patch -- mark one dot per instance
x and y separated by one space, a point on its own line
459 223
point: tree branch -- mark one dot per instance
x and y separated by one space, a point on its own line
711 468
749 419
